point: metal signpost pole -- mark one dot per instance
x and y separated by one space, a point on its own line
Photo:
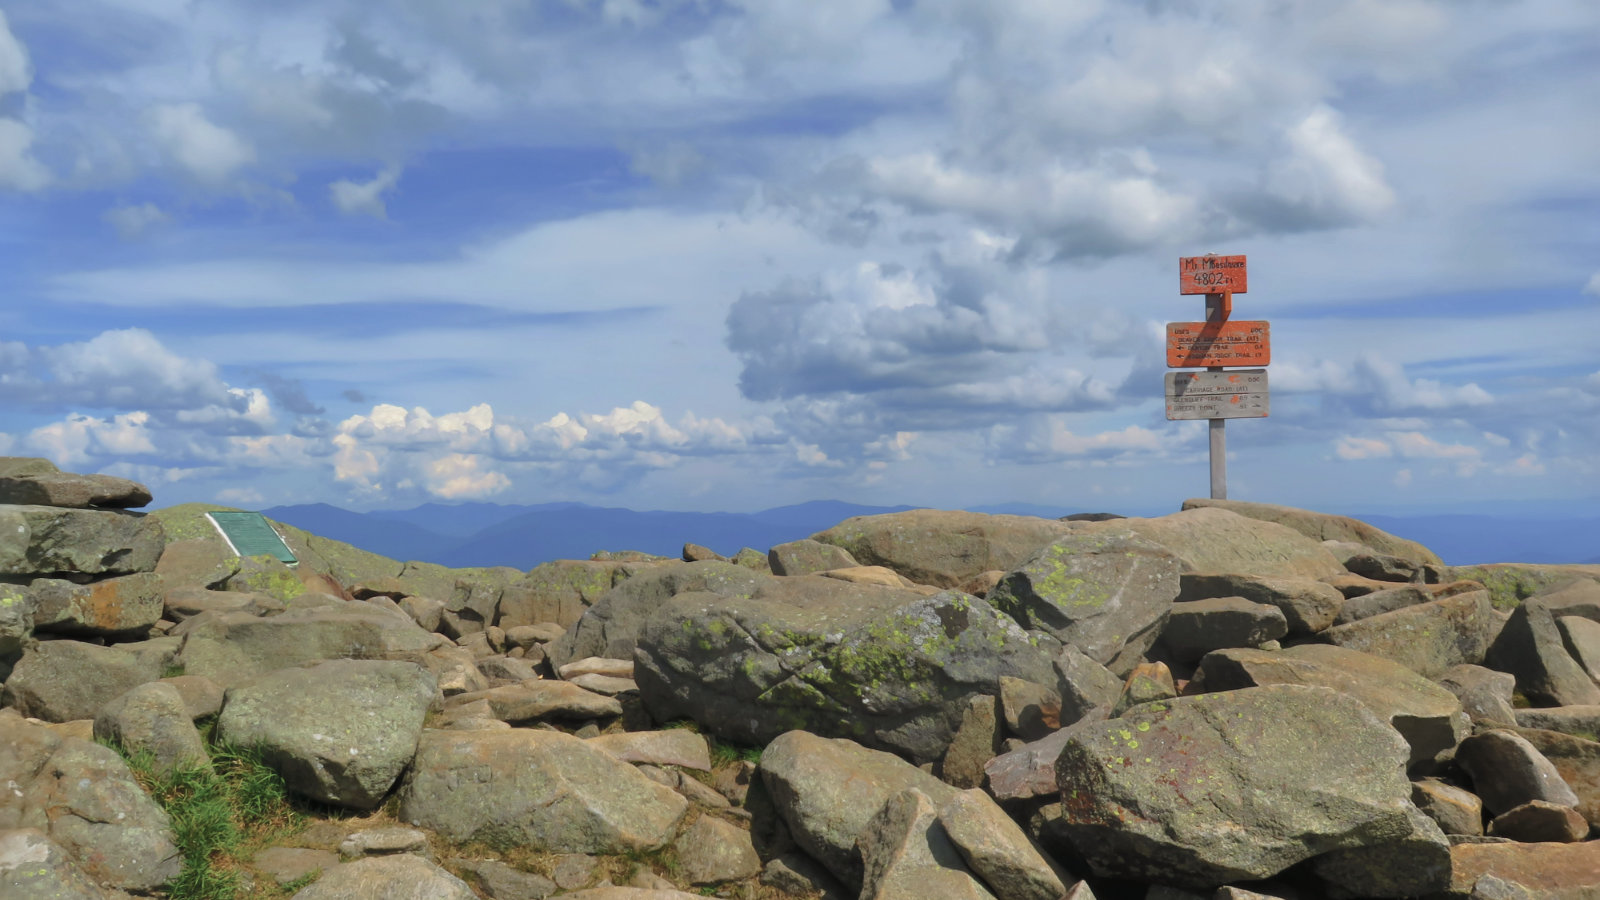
1218 306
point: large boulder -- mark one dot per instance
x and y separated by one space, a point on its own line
541 789
69 489
47 541
399 876
232 647
1107 594
340 731
1429 638
16 624
907 855
610 627
1511 583
561 591
1530 647
1508 771
944 548
1428 716
60 681
886 666
827 791
1324 527
33 867
1216 541
1201 626
111 607
1517 871
1308 605
88 802
1200 791
998 850
152 718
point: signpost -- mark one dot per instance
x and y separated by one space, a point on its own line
1217 394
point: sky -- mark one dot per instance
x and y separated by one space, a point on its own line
735 254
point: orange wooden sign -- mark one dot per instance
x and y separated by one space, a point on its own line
1196 344
1212 275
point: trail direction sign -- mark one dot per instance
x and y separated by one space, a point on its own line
250 534
1212 275
1235 394
1214 343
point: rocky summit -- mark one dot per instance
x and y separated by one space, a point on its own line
1237 700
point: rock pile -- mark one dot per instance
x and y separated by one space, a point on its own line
1236 700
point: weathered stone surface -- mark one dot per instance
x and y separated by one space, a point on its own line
1411 865
941 547
610 627
882 576
997 850
562 590
630 893
1530 647
231 647
1324 527
712 851
827 790
286 864
1030 710
1456 811
33 867
808 557
401 877
1428 638
66 489
534 700
543 789
184 603
1577 761
86 799
197 563
501 670
882 665
1198 627
1106 594
381 841
1544 871
1580 721
907 854
596 665
1507 771
1511 583
1148 682
1391 599
1485 694
1383 567
110 607
673 747
605 684
976 741
152 717
1200 791
1426 715
504 882
46 541
1083 684
1581 636
1538 822
1030 770
60 681
16 625
1308 605
340 731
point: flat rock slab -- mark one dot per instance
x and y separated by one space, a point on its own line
808 557
997 849
1218 541
1324 527
1428 638
111 607
531 701
943 548
673 747
1580 721
1202 791
1428 716
1198 627
46 541
402 877
1545 871
68 489
1308 605
340 731
543 789
61 681
233 647
827 790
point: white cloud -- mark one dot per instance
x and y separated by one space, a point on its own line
208 151
1350 447
242 497
1327 178
80 437
133 221
365 198
16 71
18 168
130 369
462 477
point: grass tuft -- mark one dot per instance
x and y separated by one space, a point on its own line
220 811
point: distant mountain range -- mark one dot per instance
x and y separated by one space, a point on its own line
492 534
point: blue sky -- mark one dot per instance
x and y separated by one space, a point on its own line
728 254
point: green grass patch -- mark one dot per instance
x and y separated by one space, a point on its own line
221 814
726 754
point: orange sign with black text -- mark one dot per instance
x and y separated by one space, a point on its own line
1212 275
1231 343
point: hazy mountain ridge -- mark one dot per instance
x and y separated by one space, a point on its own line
492 534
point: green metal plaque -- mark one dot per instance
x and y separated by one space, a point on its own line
250 534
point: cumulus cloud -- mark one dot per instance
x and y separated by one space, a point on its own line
1376 386
133 221
18 168
1410 445
16 70
365 198
210 152
126 369
1326 179
78 438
